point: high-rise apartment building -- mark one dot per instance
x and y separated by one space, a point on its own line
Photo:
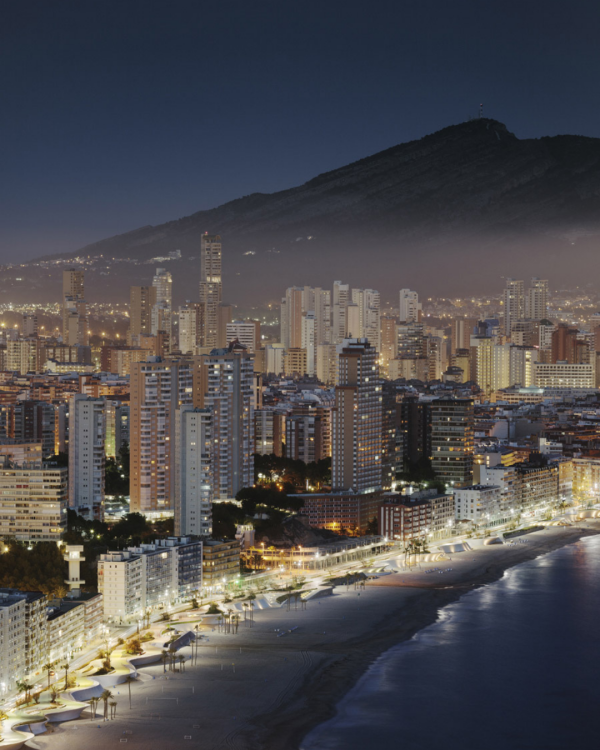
308 434
226 387
389 342
224 316
368 302
247 332
537 299
87 436
309 329
341 298
22 356
564 344
190 326
452 440
357 420
409 307
75 324
269 432
141 301
33 502
193 471
163 286
158 388
34 422
514 303
292 307
461 332
211 287
30 325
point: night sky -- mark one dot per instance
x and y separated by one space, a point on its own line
119 114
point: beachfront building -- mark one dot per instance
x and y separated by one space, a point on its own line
66 631
479 503
452 440
402 518
220 563
12 638
318 557
149 576
343 512
586 480
536 484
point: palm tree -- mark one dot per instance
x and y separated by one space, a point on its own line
93 703
182 663
113 709
24 687
48 668
164 657
172 654
66 667
129 680
106 696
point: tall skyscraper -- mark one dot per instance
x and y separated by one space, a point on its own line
341 298
357 420
162 311
226 387
537 299
193 471
141 301
75 323
87 436
409 308
452 440
292 307
211 287
158 388
514 303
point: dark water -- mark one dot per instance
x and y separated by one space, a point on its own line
513 665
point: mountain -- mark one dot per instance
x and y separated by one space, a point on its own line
457 208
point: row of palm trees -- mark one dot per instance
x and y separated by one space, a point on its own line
170 657
105 696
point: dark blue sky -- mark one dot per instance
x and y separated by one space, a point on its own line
120 114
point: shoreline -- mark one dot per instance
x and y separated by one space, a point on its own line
269 685
316 700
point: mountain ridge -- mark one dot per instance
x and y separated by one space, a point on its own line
467 186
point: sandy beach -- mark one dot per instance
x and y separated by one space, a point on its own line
259 690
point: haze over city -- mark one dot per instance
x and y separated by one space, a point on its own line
299 375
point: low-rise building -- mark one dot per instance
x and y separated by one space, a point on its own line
220 563
347 513
479 503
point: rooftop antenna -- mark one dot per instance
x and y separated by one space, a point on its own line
480 111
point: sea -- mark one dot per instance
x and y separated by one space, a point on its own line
514 665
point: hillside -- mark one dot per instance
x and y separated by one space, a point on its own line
471 196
